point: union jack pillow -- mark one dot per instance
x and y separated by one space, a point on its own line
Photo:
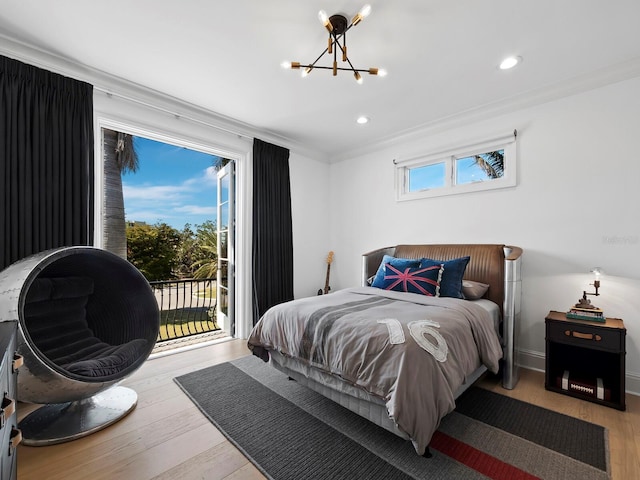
425 281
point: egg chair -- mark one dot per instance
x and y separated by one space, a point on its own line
87 319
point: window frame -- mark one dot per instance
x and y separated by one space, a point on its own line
449 157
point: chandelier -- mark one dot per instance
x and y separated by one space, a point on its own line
337 26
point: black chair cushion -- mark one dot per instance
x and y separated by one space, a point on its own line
55 318
102 360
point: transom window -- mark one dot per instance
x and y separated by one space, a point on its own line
482 166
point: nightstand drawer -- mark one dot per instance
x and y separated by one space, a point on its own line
589 336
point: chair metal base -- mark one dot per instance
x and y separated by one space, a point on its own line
62 422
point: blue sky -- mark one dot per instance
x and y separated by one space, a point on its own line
173 185
432 176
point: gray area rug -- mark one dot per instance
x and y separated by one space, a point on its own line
291 432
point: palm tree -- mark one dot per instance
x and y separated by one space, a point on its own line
492 163
120 157
207 240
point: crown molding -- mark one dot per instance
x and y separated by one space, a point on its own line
573 86
112 84
116 86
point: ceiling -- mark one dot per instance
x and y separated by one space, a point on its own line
441 56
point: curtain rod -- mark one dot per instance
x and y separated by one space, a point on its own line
461 147
178 116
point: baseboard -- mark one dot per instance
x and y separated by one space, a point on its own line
633 383
532 360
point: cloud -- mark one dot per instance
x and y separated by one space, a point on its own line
196 210
154 192
204 181
191 201
207 179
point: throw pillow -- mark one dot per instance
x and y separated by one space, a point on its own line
451 283
474 290
396 262
425 281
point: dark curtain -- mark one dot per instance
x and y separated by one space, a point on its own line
46 161
272 231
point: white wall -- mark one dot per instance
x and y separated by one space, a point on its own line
310 212
575 207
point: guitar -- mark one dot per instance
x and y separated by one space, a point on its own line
326 281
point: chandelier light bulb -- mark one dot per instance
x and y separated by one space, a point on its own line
381 72
361 15
324 19
290 65
358 77
365 11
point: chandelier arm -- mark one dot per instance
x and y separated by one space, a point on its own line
313 65
335 56
344 69
344 49
352 69
348 28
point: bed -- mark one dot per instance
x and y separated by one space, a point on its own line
399 349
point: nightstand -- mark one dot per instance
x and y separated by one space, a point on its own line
586 359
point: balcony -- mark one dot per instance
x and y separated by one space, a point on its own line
187 312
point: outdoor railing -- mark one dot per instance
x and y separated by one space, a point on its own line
187 307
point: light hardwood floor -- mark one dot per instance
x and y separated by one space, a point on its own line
166 436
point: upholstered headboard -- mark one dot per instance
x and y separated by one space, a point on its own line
487 263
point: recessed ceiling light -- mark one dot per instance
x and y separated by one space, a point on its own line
362 120
510 62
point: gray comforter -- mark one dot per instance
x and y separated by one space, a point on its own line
410 350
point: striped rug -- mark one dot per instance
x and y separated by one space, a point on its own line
291 432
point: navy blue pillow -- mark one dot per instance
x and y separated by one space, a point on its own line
425 281
396 262
451 283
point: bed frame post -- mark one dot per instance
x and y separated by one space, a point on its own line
371 261
511 314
